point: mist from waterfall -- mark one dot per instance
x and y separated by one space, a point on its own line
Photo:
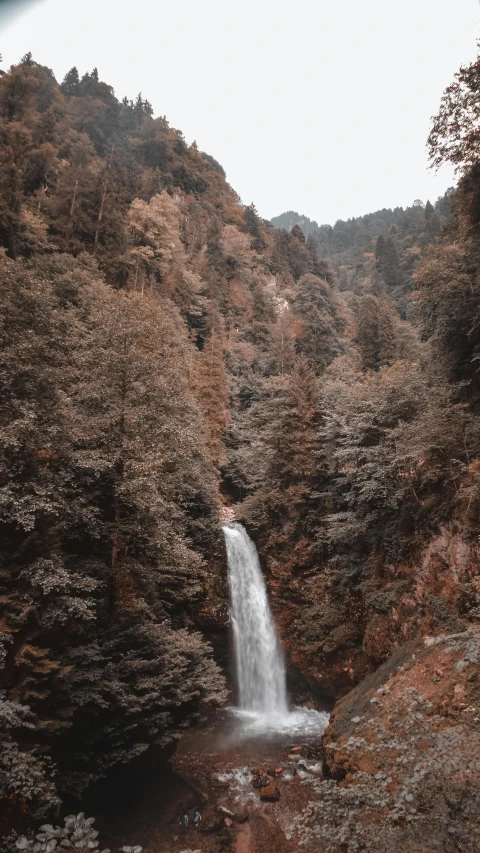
259 663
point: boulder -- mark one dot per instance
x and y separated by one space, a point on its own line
261 781
211 823
225 811
270 793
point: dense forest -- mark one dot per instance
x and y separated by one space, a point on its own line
166 352
387 244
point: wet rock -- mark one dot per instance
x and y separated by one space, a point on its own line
225 811
270 793
271 772
261 781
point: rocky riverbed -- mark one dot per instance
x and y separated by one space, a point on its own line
398 769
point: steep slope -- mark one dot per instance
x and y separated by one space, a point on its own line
402 755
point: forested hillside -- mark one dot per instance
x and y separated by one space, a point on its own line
166 352
109 486
138 297
379 250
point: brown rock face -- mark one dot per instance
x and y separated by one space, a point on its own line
270 793
346 635
403 754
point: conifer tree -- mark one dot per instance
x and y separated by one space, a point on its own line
429 209
319 337
380 250
390 265
252 223
376 334
70 82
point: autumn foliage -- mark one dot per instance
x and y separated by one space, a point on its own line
164 351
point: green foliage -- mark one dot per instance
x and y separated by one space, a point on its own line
316 305
108 506
455 133
292 256
108 464
397 238
78 832
70 82
376 333
25 776
158 340
252 224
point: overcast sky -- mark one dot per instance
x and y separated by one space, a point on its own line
320 107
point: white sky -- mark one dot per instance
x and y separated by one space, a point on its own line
320 107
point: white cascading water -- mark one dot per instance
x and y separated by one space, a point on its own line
259 660
260 667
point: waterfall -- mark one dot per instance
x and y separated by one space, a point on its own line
259 665
259 661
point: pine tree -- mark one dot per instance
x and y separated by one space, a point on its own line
252 222
380 251
70 82
376 334
429 209
390 264
319 337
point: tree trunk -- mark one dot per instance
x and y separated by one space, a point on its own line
72 206
102 203
117 544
